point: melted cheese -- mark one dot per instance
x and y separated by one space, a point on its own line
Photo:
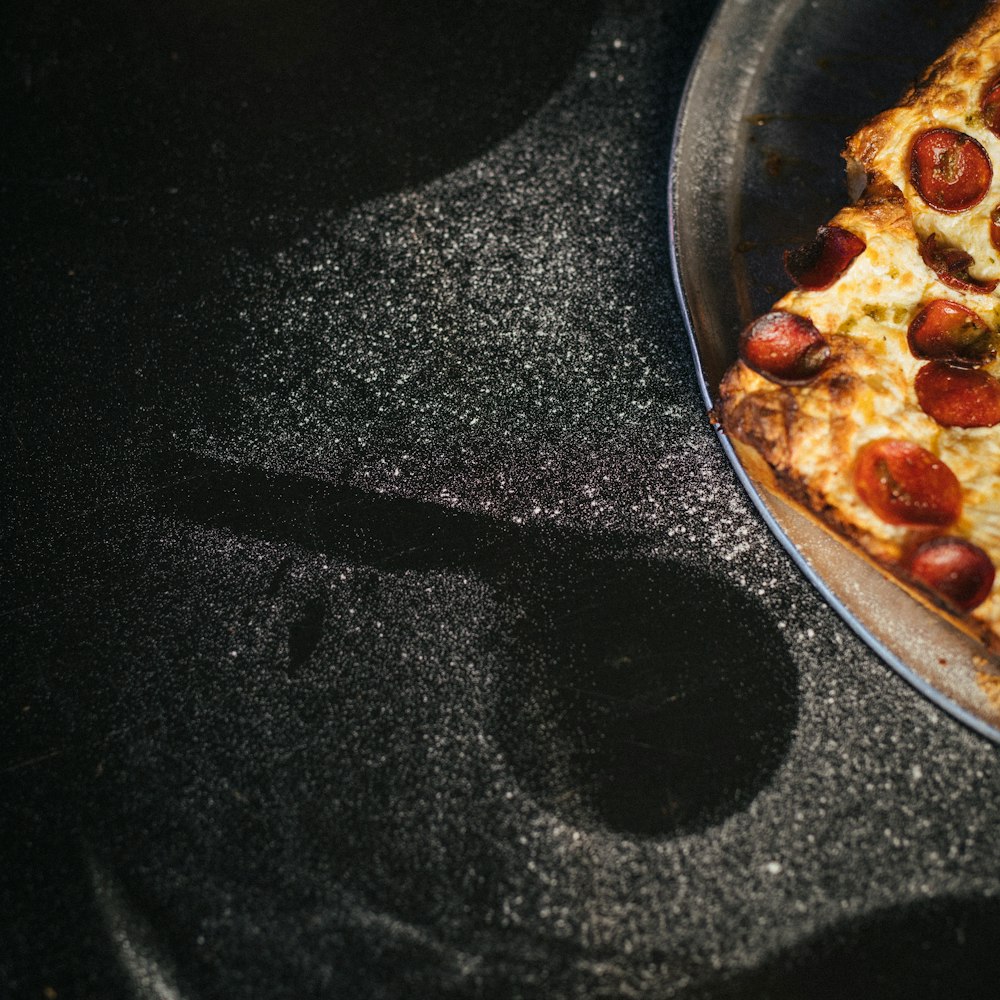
867 391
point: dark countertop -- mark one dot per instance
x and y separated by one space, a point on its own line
383 619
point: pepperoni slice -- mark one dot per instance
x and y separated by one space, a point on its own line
819 263
990 106
951 265
950 170
784 347
956 396
959 571
951 332
907 485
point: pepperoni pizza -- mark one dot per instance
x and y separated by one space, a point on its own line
870 394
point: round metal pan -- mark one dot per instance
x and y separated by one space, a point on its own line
776 88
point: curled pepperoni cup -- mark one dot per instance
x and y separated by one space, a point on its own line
784 348
951 265
951 332
955 569
907 485
990 105
956 396
819 263
950 170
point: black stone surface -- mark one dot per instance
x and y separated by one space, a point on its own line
381 619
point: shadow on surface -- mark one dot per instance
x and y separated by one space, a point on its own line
659 698
153 152
941 949
647 697
227 117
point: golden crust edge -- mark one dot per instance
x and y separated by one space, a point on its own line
794 492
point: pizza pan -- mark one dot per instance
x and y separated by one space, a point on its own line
776 88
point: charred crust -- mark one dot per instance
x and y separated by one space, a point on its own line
765 420
842 387
882 193
863 146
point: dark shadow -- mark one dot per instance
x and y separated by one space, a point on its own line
227 119
305 632
940 949
645 697
657 699
153 152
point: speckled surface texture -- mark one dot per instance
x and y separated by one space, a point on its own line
382 617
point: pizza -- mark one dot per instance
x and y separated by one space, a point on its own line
870 394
